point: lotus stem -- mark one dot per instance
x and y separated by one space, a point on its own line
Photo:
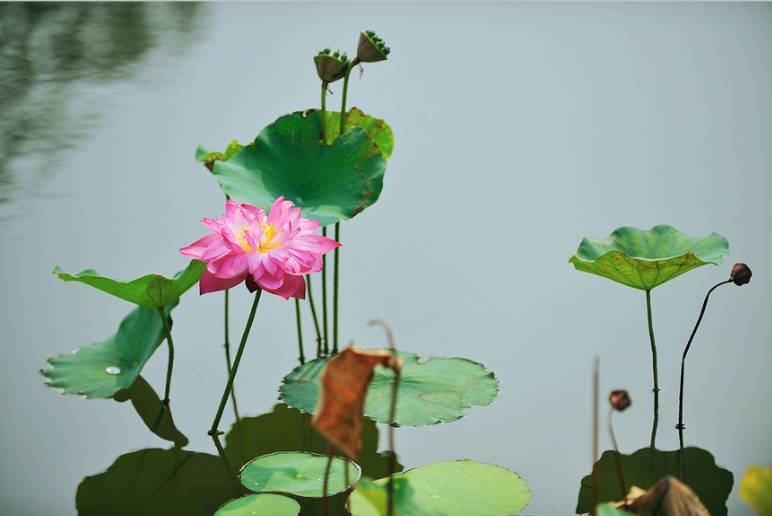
301 355
654 370
324 299
335 279
326 482
680 426
324 111
617 457
343 100
166 322
313 314
232 376
227 346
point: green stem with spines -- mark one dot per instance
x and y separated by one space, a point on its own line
232 376
228 363
166 322
654 370
301 355
324 300
313 315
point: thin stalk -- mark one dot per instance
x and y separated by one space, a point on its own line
227 346
313 314
301 356
324 299
228 386
343 100
680 426
326 482
595 430
165 321
336 275
654 370
324 111
617 457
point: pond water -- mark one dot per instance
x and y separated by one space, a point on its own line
519 129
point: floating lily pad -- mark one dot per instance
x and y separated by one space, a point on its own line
148 406
150 291
155 482
287 428
329 182
609 510
645 467
371 498
756 489
102 369
436 390
297 473
449 488
378 130
645 259
273 504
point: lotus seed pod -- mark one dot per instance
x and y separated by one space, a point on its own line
619 400
330 68
370 49
741 274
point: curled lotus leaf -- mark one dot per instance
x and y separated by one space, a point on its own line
330 183
378 130
644 468
149 291
208 157
298 473
450 488
273 504
645 259
434 390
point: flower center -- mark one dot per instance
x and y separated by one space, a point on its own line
266 243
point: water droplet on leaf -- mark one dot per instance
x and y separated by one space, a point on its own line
113 370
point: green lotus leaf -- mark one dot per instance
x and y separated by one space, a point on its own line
645 259
208 157
148 406
102 369
435 390
155 482
450 488
609 510
371 498
287 428
756 489
297 473
329 182
273 504
645 467
378 130
149 291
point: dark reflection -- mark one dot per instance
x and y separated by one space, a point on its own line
179 482
151 410
57 58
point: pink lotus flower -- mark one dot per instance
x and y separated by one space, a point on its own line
275 249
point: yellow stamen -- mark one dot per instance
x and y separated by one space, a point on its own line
267 243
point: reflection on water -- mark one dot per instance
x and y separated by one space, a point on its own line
55 63
176 481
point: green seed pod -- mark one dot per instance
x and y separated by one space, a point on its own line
330 68
371 48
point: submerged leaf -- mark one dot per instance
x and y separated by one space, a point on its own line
148 406
149 291
756 489
645 259
287 428
329 182
273 504
646 467
344 386
102 369
297 473
378 130
450 488
435 390
155 482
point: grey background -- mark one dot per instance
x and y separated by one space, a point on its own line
519 129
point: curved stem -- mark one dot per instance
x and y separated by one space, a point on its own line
654 370
324 299
227 346
166 322
617 457
343 100
313 314
680 425
324 112
336 255
228 386
301 356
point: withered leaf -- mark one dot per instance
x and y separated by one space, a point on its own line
668 497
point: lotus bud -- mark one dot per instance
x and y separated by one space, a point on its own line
371 48
619 400
741 274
